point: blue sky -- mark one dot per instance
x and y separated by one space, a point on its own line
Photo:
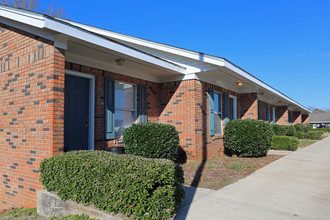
285 43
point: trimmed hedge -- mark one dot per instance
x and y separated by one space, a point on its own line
300 134
248 138
152 140
285 143
315 135
279 130
134 186
291 131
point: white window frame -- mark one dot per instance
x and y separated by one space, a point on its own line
134 110
234 105
216 111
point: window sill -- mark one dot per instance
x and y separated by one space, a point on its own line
217 136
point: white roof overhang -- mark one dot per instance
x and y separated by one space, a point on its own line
70 32
82 37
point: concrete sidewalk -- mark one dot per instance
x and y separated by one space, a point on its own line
296 186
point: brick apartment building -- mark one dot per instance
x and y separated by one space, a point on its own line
69 86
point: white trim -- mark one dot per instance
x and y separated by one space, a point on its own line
22 16
47 34
103 42
151 44
235 106
91 118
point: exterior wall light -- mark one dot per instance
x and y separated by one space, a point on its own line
239 83
120 61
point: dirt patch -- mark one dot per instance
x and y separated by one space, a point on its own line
5 211
223 170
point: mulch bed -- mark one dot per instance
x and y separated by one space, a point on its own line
223 170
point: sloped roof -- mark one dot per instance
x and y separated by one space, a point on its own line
136 47
319 118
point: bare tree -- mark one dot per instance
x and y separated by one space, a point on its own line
31 5
22 4
55 12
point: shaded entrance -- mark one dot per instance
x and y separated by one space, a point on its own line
76 113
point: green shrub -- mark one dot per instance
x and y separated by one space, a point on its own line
300 134
315 135
248 138
303 127
134 186
152 140
279 130
285 143
291 131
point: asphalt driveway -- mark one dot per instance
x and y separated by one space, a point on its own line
296 186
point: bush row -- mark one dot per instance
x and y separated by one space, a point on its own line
134 186
253 138
284 143
301 131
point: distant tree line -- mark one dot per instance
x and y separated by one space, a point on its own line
317 110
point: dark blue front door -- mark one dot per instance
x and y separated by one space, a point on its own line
76 113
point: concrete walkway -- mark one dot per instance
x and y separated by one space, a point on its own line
296 186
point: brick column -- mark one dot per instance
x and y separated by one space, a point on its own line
248 105
282 115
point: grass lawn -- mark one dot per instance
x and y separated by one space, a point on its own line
220 171
31 214
305 142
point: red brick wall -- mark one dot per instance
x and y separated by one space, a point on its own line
296 117
263 110
305 118
248 106
183 104
31 112
282 117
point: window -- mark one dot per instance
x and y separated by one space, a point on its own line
290 117
232 107
125 106
273 115
217 113
268 113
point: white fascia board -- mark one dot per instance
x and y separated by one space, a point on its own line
262 84
151 44
25 17
100 41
